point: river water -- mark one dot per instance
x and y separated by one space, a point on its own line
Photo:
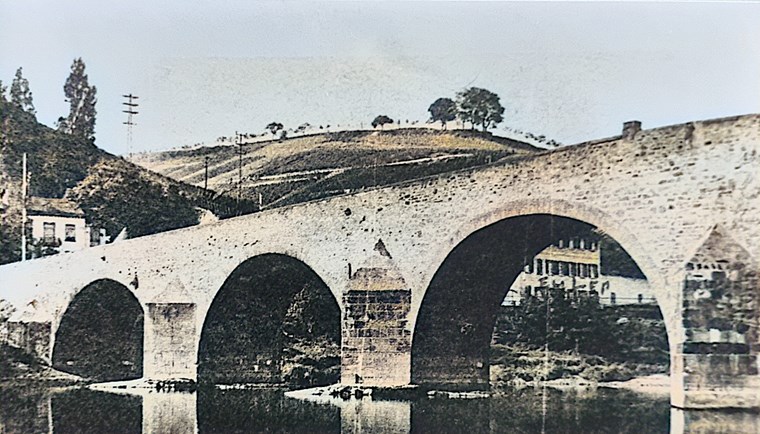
269 410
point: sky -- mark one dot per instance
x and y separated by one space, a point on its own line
570 71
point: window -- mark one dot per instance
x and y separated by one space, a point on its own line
553 267
48 232
71 233
641 298
594 271
539 266
563 268
613 298
529 267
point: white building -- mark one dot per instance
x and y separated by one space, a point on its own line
59 224
575 266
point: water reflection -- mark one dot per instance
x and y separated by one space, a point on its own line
268 410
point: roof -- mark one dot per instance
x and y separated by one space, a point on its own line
52 207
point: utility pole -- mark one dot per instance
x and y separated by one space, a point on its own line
131 109
239 142
205 176
23 208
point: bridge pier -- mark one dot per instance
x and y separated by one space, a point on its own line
376 347
717 363
171 341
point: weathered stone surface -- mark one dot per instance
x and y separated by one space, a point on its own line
721 309
376 339
172 338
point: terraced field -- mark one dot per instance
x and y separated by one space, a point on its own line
283 172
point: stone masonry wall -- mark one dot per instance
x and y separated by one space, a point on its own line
657 192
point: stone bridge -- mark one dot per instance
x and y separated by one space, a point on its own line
419 269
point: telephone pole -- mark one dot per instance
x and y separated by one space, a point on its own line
239 142
24 189
131 109
205 176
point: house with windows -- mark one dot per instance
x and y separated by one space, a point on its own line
58 225
574 266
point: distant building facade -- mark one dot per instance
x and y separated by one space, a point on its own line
574 265
59 225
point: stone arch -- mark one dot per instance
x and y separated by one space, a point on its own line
273 320
100 334
453 350
610 225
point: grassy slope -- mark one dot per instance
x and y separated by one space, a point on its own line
282 172
112 192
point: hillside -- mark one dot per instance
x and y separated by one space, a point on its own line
282 172
112 192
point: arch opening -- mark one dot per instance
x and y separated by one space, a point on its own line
541 274
273 321
100 336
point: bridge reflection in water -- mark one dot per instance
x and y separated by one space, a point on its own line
268 410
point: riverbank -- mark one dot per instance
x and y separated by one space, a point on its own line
516 367
18 368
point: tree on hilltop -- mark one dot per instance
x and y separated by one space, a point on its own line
443 110
274 127
380 121
20 95
302 128
82 99
480 107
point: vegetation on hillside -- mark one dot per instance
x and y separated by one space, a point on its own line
20 94
480 107
81 97
381 120
318 166
443 110
112 192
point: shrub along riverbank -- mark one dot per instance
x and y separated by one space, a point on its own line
573 337
515 366
17 366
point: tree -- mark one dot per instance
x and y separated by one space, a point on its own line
3 89
81 98
302 128
380 121
443 110
274 127
20 94
480 107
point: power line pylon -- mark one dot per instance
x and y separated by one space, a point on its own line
131 110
